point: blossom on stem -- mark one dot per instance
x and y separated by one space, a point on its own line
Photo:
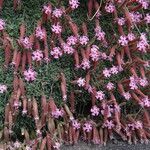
3 88
56 52
74 4
95 111
87 127
83 40
30 75
2 24
81 82
37 55
56 28
100 95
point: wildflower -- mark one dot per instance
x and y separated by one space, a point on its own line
68 49
106 72
147 18
26 43
17 144
71 40
109 124
133 83
81 82
39 33
103 56
56 52
121 21
3 88
57 13
138 125
47 9
76 124
85 64
57 113
114 70
145 102
74 4
143 43
83 40
99 33
2 24
144 3
143 82
56 28
110 86
30 75
136 17
57 145
131 126
131 36
127 95
95 111
123 40
37 55
100 95
87 127
94 53
109 8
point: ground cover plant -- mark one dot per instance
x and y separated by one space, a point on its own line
74 70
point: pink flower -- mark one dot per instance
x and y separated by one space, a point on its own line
144 3
57 145
131 36
76 124
147 18
81 82
37 55
71 40
95 111
3 88
17 144
2 24
123 40
85 64
74 4
145 102
56 28
121 21
26 43
142 45
87 127
39 33
109 124
138 125
99 33
47 9
103 55
127 95
133 83
114 70
57 113
131 126
30 75
94 53
143 82
110 86
56 52
100 95
109 7
57 13
136 17
83 40
68 49
106 72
